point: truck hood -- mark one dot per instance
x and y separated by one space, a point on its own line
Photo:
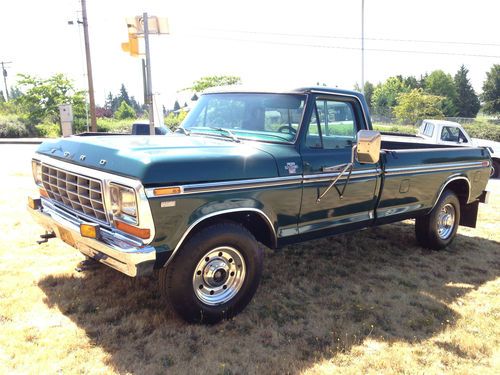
172 159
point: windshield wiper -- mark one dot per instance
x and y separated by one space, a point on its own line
230 134
180 129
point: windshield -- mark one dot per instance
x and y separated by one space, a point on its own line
264 117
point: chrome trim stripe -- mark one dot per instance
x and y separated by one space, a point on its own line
144 212
324 177
456 177
257 183
218 213
433 168
229 185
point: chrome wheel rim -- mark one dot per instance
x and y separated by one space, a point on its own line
219 275
446 221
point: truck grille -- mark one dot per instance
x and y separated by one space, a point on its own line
79 193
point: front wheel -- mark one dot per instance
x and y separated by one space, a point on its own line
215 274
437 229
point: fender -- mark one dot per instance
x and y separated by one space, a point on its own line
447 182
220 213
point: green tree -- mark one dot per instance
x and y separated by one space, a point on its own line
177 106
411 82
213 81
467 102
491 91
368 92
2 98
124 111
369 88
15 92
441 84
417 105
124 95
41 98
385 96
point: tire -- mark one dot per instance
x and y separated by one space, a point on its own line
495 169
437 229
215 274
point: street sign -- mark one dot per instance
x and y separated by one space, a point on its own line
156 25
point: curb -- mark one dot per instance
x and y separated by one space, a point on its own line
22 141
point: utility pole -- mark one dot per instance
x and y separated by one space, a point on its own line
363 46
149 93
93 122
4 73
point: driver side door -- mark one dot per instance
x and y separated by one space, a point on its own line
327 146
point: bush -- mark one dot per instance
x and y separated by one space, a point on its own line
124 111
12 127
48 130
480 129
173 120
114 126
393 128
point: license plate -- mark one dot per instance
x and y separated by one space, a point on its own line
66 236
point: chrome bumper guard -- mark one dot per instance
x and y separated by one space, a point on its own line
114 250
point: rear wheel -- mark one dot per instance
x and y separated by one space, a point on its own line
437 229
495 169
215 275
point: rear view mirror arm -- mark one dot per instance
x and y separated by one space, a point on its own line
345 167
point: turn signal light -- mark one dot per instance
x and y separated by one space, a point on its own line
43 192
134 231
33 203
167 191
90 230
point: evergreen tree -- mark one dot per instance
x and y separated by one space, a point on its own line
491 91
124 95
369 88
124 111
467 102
108 104
177 106
135 105
411 82
2 98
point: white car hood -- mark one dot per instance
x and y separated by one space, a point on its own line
495 146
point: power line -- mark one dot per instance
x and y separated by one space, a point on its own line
346 48
320 36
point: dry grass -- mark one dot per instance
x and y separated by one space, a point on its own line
371 302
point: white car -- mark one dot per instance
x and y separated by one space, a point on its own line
452 133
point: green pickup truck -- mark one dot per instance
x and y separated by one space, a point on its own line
246 167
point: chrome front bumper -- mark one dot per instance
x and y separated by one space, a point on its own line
112 249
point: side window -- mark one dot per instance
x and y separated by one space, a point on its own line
462 137
450 134
332 125
429 129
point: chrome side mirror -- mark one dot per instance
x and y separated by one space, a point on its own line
368 147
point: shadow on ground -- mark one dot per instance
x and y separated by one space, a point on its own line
316 299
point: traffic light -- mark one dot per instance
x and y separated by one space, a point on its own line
132 46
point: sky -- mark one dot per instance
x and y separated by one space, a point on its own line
267 43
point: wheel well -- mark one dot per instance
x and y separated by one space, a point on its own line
252 221
461 188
